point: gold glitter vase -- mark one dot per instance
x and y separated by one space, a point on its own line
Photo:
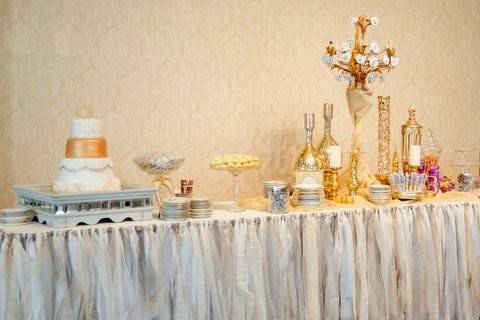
383 165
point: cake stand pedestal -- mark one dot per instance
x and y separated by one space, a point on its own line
235 172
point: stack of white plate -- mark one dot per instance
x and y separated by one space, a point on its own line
15 216
379 194
409 195
177 208
308 195
200 208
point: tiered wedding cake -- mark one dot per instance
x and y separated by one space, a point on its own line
86 166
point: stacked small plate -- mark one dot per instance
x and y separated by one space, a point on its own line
177 208
15 216
379 194
200 208
308 195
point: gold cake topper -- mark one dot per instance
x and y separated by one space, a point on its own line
84 112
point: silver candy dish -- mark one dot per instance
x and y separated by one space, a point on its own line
69 209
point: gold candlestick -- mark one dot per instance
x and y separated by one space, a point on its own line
395 163
333 183
353 179
327 178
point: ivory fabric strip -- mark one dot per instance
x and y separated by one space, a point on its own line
413 261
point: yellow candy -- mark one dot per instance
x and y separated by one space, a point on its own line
235 161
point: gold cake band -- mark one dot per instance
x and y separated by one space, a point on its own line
86 148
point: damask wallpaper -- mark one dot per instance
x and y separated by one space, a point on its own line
204 77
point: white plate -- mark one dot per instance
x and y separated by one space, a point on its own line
175 207
200 211
381 203
15 220
14 211
308 196
200 215
379 194
379 186
306 186
176 200
307 191
384 197
173 219
408 196
200 199
16 223
309 203
174 210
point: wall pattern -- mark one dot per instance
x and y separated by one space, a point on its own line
201 78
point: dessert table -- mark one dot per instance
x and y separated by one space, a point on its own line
413 260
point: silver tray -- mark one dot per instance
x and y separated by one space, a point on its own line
69 209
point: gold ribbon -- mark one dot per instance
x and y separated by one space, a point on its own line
86 148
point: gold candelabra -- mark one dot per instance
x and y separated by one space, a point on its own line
357 62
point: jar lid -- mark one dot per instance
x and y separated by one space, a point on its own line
430 143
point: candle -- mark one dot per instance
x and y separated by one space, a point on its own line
414 155
335 156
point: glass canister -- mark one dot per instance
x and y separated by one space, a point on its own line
278 199
431 151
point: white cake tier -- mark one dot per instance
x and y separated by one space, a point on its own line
85 128
86 175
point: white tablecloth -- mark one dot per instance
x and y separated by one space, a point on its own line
414 261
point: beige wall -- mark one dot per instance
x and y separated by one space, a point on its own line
203 77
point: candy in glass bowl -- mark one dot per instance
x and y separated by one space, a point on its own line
159 165
407 186
235 164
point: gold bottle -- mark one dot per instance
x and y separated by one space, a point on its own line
327 139
308 165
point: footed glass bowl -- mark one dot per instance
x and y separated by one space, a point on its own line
235 172
159 165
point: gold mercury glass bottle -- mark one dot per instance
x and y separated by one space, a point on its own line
308 166
327 139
